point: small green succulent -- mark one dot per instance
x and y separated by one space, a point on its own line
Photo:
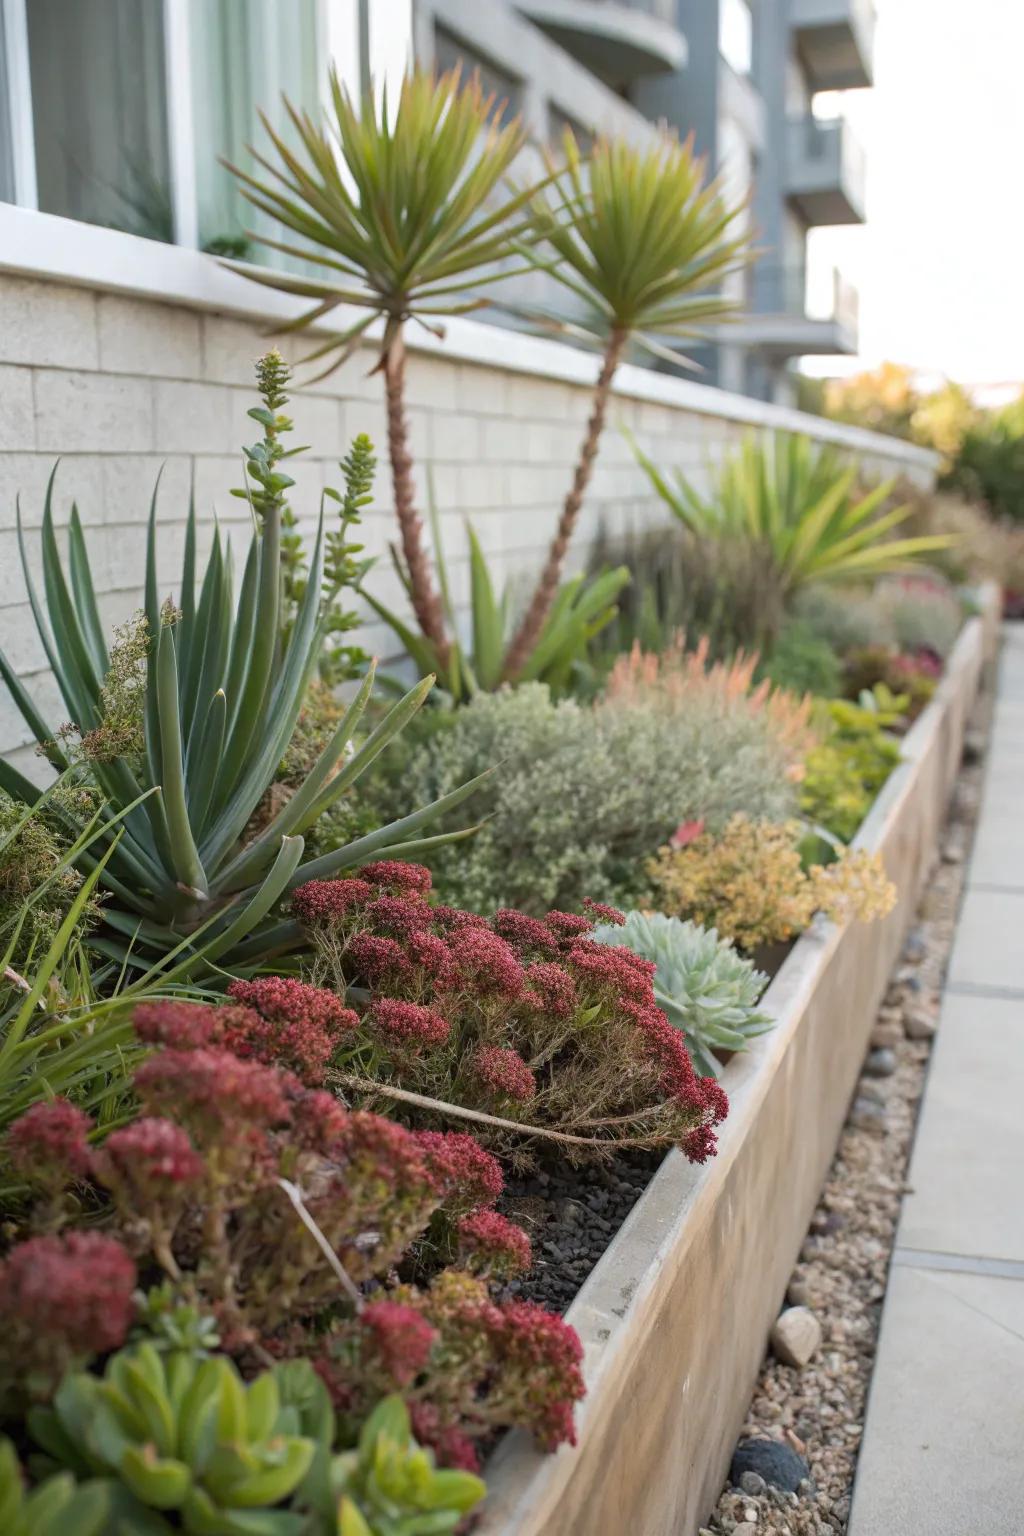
178 1433
704 987
389 1486
56 1508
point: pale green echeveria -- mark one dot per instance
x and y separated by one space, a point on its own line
705 988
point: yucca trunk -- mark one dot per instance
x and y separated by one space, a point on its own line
531 628
424 597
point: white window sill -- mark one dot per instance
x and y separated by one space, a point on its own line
43 246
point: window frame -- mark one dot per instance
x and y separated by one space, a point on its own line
351 34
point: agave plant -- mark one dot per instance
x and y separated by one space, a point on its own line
404 210
183 739
642 242
796 502
704 987
582 608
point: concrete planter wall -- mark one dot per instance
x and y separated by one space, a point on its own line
675 1316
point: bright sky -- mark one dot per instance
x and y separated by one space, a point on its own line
940 263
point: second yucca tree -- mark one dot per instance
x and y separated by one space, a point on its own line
639 238
405 210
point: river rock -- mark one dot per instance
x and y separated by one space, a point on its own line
880 1063
919 1024
796 1336
777 1463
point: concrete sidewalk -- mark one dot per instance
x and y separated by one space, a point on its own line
943 1449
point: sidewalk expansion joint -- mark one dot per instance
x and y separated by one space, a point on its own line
959 1263
982 989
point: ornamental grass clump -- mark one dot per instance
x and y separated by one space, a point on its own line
749 882
704 987
286 1219
584 793
523 1027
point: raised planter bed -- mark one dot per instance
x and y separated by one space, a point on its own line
675 1316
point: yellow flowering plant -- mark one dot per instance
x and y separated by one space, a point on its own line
750 883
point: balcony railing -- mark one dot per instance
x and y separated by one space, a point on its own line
825 170
620 40
787 290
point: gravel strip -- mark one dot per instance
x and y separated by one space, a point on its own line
818 1411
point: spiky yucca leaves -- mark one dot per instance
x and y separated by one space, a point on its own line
404 210
222 695
643 242
702 985
796 501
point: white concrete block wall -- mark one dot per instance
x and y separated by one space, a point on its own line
120 386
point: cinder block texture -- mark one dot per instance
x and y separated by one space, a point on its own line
117 386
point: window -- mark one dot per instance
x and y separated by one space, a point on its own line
99 112
116 112
735 35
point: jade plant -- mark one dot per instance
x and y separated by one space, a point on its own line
389 1486
181 726
181 1434
703 986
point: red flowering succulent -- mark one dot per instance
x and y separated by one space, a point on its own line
48 1146
490 1242
63 1300
521 1015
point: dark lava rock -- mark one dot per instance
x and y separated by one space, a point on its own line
571 1215
778 1464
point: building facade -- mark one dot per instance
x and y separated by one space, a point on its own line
741 76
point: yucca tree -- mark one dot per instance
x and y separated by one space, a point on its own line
639 239
405 210
181 726
797 502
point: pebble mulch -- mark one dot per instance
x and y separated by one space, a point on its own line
818 1411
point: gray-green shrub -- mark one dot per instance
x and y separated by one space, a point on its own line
584 792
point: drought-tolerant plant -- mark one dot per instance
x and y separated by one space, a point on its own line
581 610
284 1215
701 984
845 771
539 1033
678 681
584 792
388 1486
402 205
913 675
750 884
682 583
922 612
796 501
175 1432
803 662
846 618
182 730
642 244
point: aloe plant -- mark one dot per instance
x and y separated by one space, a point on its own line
404 210
219 689
796 502
643 243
